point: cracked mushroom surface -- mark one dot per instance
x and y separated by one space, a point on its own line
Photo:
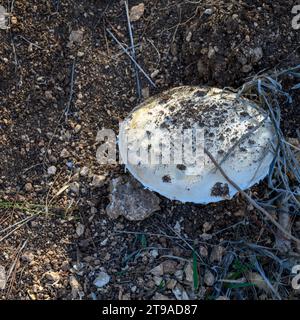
161 143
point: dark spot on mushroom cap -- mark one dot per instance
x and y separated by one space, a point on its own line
200 93
181 167
166 179
221 137
148 133
164 98
164 125
244 114
220 190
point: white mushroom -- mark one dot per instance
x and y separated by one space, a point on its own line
236 131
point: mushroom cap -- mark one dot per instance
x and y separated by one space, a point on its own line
235 130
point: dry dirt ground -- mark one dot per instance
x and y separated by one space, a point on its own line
55 94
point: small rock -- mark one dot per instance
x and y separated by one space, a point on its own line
77 128
217 254
48 95
133 289
30 47
257 54
126 297
51 170
171 283
177 227
70 165
84 171
80 54
65 266
28 187
74 187
189 36
76 36
246 68
180 293
157 280
150 284
27 256
137 12
201 69
75 286
205 236
145 92
203 251
104 242
174 49
169 266
79 229
128 198
154 73
98 181
209 278
14 20
32 296
242 59
206 227
239 213
158 270
2 278
208 12
179 275
211 52
154 253
52 276
102 280
189 273
64 153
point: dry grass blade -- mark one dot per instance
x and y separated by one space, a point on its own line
132 49
17 226
12 271
131 58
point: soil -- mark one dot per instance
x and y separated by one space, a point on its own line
55 94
